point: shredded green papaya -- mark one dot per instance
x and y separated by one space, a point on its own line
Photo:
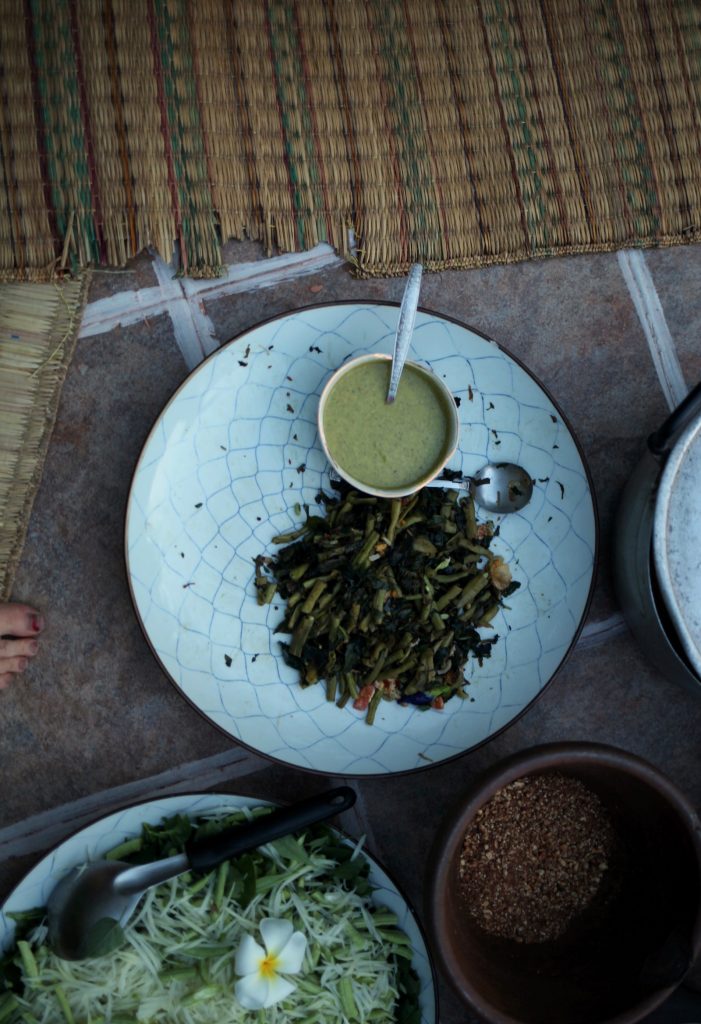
178 963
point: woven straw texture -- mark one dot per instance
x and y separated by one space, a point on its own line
455 132
38 330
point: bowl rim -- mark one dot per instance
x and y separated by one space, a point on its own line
559 756
452 422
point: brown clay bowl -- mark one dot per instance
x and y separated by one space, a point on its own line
614 968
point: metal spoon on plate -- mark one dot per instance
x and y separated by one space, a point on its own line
88 909
498 487
501 487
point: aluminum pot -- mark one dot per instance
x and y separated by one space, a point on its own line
656 503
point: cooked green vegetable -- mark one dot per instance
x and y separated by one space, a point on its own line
177 966
384 597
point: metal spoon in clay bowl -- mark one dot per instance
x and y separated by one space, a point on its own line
405 328
88 909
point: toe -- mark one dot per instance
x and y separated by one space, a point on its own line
20 620
5 679
17 648
12 666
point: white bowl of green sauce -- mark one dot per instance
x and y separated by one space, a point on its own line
389 450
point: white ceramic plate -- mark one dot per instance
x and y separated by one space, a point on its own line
103 835
228 464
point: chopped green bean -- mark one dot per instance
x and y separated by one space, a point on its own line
470 591
286 538
379 592
373 706
363 555
222 874
301 633
395 512
345 992
374 674
489 614
314 595
29 964
63 1004
124 849
448 597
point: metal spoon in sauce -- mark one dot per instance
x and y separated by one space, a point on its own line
405 328
501 487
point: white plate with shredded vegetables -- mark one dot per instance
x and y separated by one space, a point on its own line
308 931
233 461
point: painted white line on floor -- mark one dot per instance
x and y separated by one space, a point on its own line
42 831
193 330
595 633
123 309
183 299
206 331
245 277
651 315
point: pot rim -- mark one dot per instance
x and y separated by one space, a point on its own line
676 515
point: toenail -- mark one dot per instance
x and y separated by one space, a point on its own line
33 646
37 623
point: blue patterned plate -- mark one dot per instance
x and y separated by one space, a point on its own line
229 463
97 839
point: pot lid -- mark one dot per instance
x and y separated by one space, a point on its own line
676 539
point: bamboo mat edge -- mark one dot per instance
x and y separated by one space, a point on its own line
364 270
38 382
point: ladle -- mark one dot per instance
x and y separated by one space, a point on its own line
88 909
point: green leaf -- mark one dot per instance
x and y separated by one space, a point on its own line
104 937
292 849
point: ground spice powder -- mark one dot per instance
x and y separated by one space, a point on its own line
534 857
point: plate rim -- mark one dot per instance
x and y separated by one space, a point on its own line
587 604
254 801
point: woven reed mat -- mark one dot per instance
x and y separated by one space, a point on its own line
456 132
38 330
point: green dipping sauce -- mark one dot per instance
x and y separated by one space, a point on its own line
386 446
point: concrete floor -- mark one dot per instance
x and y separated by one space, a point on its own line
95 723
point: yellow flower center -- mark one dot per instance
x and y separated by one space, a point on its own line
268 966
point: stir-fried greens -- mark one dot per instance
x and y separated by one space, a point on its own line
177 965
384 598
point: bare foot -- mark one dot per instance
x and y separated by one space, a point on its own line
20 625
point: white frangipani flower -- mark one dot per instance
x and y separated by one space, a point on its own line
261 984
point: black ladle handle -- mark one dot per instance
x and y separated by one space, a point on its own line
661 440
205 854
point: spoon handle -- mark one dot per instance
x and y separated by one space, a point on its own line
209 852
405 328
132 881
